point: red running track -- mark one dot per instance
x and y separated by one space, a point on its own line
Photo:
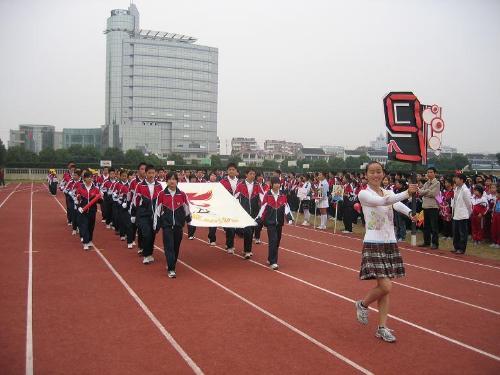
227 315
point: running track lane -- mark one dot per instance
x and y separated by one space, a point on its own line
14 246
458 321
329 319
221 334
85 322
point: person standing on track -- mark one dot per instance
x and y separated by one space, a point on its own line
212 231
461 206
381 259
172 209
146 196
272 214
230 182
430 205
136 181
67 178
85 193
249 193
323 199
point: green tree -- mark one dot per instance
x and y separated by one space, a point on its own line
235 159
179 160
269 165
47 155
3 154
18 154
320 165
216 161
397 166
336 164
115 155
134 157
154 160
62 156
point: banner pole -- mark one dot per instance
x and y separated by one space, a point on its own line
414 205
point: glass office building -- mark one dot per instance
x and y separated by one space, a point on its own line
81 137
32 137
161 90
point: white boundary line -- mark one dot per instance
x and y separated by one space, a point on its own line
29 305
8 196
407 264
401 320
408 249
275 318
394 282
147 311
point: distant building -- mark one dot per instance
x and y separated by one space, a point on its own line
378 155
282 147
239 145
82 137
354 153
380 143
33 137
58 140
335 151
311 154
483 162
161 90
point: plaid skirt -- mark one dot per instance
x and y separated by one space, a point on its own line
381 260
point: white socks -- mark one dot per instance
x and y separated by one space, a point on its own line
324 219
307 214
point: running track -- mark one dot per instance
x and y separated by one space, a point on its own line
104 312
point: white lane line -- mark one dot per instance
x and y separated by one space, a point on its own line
394 282
8 196
408 249
147 311
406 263
29 305
401 320
277 319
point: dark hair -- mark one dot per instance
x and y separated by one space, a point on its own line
130 173
161 169
87 174
449 180
275 180
149 167
122 171
479 188
250 170
432 169
105 168
78 172
171 175
231 165
461 176
371 163
71 163
277 171
111 170
141 164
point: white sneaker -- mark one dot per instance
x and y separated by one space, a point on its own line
274 266
81 239
108 226
172 274
74 232
230 250
306 223
247 255
103 220
385 334
123 238
258 241
130 246
191 238
113 227
147 260
493 245
322 227
361 313
86 246
346 232
139 252
133 243
213 243
91 244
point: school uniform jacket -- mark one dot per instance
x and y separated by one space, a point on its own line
84 196
273 212
145 203
173 210
227 184
250 203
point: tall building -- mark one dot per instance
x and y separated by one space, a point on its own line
243 144
82 137
32 137
380 143
161 90
289 148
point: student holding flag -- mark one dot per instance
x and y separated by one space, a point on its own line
87 195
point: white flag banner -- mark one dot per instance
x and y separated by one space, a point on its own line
211 205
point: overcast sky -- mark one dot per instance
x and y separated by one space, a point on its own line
309 71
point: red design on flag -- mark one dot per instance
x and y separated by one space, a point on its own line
393 146
197 199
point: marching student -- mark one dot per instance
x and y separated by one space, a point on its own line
212 231
85 193
118 214
323 190
131 199
249 193
230 182
69 190
306 186
265 188
101 179
495 220
106 191
145 203
127 225
348 204
479 210
161 175
272 214
67 178
191 228
381 260
172 211
52 181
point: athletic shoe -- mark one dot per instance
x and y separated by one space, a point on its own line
147 260
133 243
321 227
69 223
385 334
361 313
171 274
139 252
213 243
113 227
123 238
306 223
130 246
81 239
191 238
91 244
74 233
258 241
86 246
103 220
493 245
230 250
247 255
108 226
274 266
346 232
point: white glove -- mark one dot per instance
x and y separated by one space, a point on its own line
290 222
80 210
124 205
132 219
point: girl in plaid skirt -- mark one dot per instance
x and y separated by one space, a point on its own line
381 258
